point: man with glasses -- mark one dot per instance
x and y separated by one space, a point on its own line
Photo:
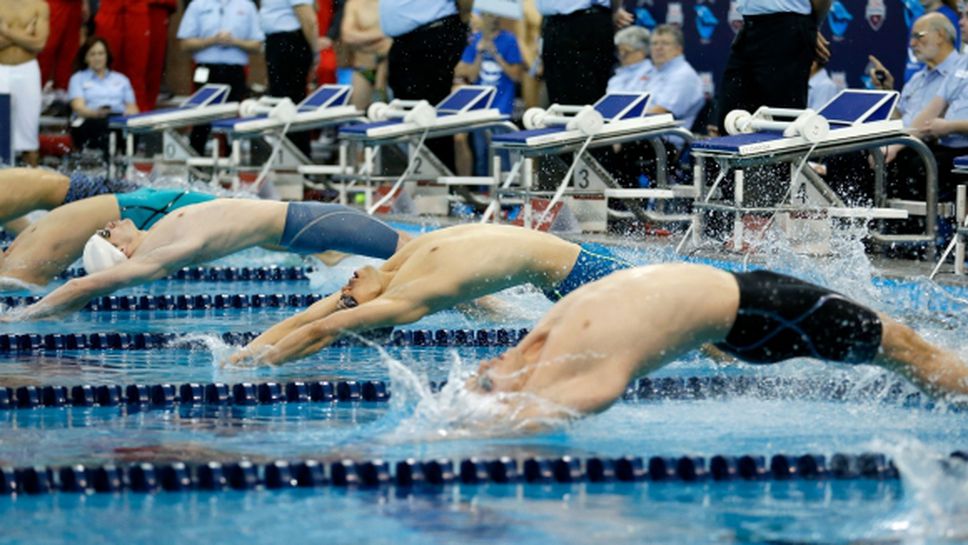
632 50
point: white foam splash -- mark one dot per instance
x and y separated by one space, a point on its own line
936 493
8 283
456 412
219 349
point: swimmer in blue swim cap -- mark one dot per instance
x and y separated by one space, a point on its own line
582 355
207 231
435 271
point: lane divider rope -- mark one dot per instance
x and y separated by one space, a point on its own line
433 475
20 343
192 394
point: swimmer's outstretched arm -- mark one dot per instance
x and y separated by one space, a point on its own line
315 336
317 311
73 295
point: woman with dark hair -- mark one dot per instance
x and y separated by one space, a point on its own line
96 92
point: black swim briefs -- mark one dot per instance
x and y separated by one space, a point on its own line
781 317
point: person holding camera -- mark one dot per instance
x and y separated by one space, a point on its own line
95 93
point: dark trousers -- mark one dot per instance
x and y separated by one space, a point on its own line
422 65
769 64
228 74
578 55
93 133
288 58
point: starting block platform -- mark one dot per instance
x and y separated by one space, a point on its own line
271 119
854 120
961 164
616 118
408 123
207 104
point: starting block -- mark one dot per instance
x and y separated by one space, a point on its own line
616 118
853 120
408 123
207 104
272 119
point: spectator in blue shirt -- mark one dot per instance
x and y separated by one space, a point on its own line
96 93
632 50
220 35
491 58
820 87
948 8
675 86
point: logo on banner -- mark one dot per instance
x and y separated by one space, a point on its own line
674 15
706 23
875 13
912 10
643 17
734 19
838 19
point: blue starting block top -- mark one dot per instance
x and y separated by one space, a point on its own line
208 95
467 98
961 162
613 107
849 108
327 96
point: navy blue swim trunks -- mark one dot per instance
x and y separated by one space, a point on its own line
83 186
313 227
781 317
594 261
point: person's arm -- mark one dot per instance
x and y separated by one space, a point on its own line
940 126
315 336
79 107
308 23
249 46
317 311
820 9
31 41
935 109
73 295
620 17
191 45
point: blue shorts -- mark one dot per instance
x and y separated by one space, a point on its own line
148 205
313 227
594 261
83 186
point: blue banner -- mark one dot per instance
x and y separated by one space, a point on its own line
6 131
855 29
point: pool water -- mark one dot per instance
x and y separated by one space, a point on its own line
927 505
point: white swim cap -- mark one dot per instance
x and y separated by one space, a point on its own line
99 254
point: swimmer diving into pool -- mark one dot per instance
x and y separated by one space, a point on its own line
24 190
122 255
582 355
48 246
435 271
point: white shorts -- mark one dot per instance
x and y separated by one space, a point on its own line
23 83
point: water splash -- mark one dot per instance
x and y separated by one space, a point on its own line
455 412
8 283
936 493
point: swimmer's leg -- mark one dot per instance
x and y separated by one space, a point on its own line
929 367
55 241
23 190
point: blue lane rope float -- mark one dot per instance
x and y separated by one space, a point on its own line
166 395
435 474
193 394
118 303
35 342
225 274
